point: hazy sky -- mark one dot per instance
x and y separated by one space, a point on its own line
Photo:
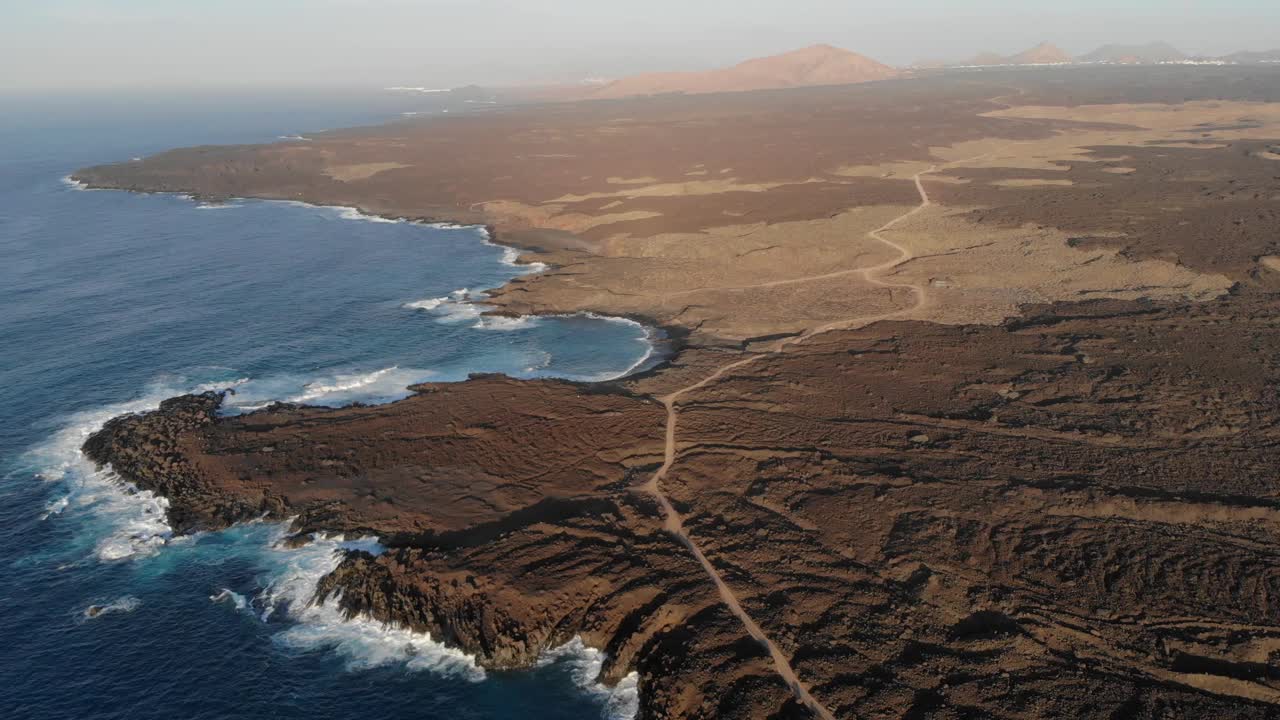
111 43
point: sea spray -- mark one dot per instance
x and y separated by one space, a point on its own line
350 213
362 642
130 522
236 600
510 255
621 702
124 604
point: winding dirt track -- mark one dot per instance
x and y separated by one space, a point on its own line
674 522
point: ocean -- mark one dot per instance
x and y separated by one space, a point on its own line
111 301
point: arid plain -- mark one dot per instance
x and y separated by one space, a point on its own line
972 410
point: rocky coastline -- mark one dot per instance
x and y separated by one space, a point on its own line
994 438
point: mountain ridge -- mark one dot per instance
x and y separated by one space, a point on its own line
1153 52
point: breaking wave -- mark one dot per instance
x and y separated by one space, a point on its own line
363 643
458 306
125 604
237 600
622 701
132 522
510 255
505 323
350 213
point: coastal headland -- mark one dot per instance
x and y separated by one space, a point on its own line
973 413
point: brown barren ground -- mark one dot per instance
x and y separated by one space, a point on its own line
976 413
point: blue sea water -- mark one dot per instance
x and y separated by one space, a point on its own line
110 302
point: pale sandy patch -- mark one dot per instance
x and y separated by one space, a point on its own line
1270 262
987 273
1187 145
1120 170
1030 182
510 213
1149 125
683 189
1191 116
631 181
904 170
734 282
361 171
1267 155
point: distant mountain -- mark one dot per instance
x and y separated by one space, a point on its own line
816 65
1247 57
986 58
1042 54
1156 52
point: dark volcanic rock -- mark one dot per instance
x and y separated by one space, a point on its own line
147 450
1089 528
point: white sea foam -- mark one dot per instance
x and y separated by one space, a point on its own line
543 362
428 304
622 701
131 522
216 206
294 138
340 384
458 312
362 642
456 307
124 604
56 507
510 255
73 183
134 520
503 323
331 389
350 213
236 599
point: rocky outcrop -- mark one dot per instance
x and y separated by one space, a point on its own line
148 451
